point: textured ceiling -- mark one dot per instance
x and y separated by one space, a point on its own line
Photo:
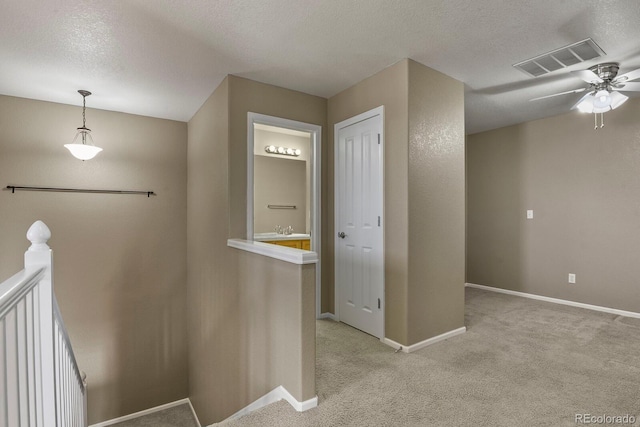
163 58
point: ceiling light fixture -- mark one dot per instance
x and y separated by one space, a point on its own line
602 96
603 93
85 150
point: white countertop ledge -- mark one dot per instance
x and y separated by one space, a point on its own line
283 253
261 237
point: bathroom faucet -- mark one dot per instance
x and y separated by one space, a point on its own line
286 230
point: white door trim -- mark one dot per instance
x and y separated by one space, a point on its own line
316 180
378 111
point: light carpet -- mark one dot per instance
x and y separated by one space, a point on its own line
521 363
177 416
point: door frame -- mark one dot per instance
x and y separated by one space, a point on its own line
378 111
316 182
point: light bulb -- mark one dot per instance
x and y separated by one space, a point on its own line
602 101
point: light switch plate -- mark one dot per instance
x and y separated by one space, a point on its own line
530 214
572 278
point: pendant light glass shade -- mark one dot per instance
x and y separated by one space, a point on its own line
617 99
84 149
586 104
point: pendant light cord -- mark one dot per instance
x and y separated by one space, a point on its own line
84 129
84 119
84 94
84 106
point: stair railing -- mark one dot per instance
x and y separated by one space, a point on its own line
40 383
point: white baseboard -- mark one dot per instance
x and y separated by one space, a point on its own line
297 405
275 395
147 412
425 343
193 411
556 300
328 315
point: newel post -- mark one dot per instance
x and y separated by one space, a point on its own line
40 255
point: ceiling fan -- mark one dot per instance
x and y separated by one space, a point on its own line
604 89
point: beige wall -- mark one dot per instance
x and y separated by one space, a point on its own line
212 293
583 186
120 262
389 87
424 196
251 318
279 329
436 203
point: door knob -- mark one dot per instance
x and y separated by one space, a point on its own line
342 235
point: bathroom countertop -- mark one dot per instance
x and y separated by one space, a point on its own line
261 237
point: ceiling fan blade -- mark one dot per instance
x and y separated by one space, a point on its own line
628 87
588 76
631 75
582 89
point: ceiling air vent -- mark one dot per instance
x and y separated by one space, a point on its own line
560 58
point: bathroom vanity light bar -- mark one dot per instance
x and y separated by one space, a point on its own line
272 149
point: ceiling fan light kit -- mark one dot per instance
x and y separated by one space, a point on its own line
601 102
604 89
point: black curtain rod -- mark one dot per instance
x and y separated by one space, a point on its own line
13 189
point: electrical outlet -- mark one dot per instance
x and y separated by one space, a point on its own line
530 214
572 278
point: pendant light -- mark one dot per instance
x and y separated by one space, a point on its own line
84 150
